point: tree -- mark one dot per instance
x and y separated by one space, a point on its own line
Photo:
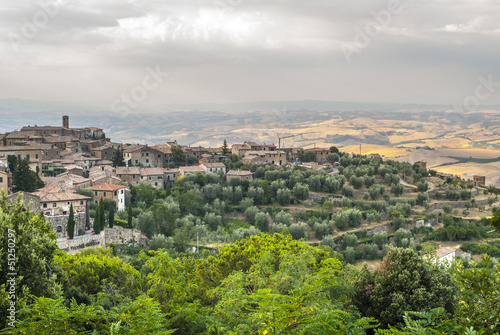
397 189
404 282
34 250
262 221
479 295
118 158
164 219
332 158
23 178
178 155
283 196
97 220
111 217
71 223
334 150
225 149
495 220
129 216
102 215
301 191
306 156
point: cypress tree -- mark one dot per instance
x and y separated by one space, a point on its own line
129 212
101 215
111 217
97 225
71 223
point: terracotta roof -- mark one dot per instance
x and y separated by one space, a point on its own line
163 148
104 147
127 170
105 187
18 148
441 252
54 193
151 171
133 147
191 169
167 171
241 146
214 165
71 167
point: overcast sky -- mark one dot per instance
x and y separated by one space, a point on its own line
419 51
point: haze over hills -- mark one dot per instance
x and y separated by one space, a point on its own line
456 142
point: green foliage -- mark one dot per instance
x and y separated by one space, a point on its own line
404 282
118 158
30 238
495 220
23 178
91 269
111 217
177 155
262 221
479 296
71 222
306 156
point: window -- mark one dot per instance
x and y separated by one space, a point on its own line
116 193
147 161
156 183
54 204
133 177
68 202
59 229
136 161
121 191
149 177
1 179
95 193
104 193
36 156
44 205
81 202
147 154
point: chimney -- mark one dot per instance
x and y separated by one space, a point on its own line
65 121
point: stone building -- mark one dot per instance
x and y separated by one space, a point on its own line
112 192
479 180
5 182
32 154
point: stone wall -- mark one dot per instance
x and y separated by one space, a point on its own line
119 235
82 242
108 236
62 222
456 204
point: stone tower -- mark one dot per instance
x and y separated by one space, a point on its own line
65 120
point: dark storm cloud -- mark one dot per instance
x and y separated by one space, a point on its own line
296 47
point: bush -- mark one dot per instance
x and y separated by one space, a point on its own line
161 241
349 240
262 221
298 230
250 214
284 196
301 191
283 218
